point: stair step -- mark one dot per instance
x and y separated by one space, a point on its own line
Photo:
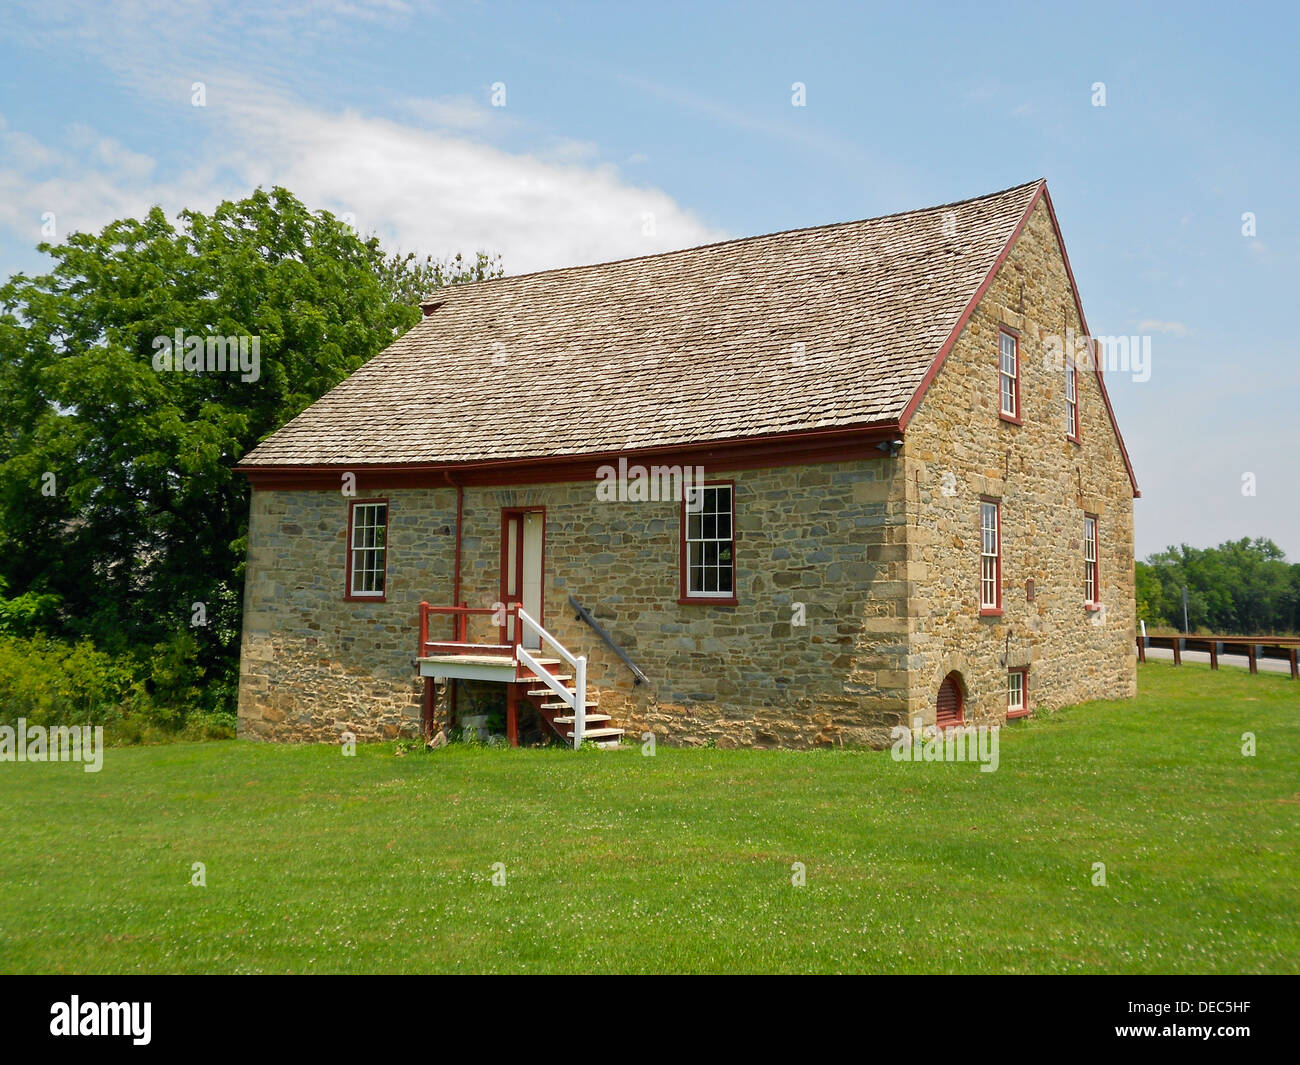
546 691
561 677
557 705
569 719
599 733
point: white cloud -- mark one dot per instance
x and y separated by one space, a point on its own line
427 177
1154 325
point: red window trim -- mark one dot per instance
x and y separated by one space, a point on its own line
1024 694
684 598
1095 602
990 611
348 595
1075 437
1019 417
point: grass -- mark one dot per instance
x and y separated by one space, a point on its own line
317 862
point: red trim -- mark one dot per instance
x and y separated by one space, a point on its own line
347 558
685 598
839 444
1083 321
507 514
947 346
1019 417
991 611
1024 694
957 687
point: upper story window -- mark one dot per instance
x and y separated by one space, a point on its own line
367 549
1090 558
1071 400
1009 375
708 543
990 556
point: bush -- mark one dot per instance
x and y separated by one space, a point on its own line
155 694
48 682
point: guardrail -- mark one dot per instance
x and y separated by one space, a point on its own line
577 699
1283 648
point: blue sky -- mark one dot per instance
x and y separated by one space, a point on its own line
631 129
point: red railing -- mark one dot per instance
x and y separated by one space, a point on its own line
460 615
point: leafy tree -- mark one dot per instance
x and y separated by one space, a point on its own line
117 500
1241 587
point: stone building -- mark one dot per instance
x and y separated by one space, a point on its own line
788 490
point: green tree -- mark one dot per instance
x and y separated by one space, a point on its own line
117 500
1241 587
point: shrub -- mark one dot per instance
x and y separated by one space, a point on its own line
155 694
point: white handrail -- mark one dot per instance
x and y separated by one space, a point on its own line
577 699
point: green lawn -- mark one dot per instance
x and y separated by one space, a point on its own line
615 862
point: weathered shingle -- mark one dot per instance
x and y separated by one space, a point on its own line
806 329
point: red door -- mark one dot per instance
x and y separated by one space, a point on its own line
948 709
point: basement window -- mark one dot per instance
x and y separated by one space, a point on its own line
1017 693
709 545
367 548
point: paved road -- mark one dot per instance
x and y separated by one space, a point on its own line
1266 665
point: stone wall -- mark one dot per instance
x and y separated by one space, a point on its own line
880 556
822 542
312 664
957 448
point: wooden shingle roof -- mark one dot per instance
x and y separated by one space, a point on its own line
809 329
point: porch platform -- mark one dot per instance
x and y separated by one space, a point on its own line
471 666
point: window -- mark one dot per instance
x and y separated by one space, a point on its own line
708 544
1090 559
367 549
990 556
949 707
1010 377
1071 401
1017 692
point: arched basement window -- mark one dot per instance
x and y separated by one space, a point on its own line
948 708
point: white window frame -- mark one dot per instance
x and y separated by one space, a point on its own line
1090 559
1071 400
990 560
368 544
696 513
1009 379
1016 691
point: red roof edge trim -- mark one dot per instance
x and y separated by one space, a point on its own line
937 364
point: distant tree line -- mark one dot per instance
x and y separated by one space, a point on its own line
1242 587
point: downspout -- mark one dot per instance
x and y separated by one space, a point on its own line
455 588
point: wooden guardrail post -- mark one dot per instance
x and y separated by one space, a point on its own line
1215 647
1178 652
1254 664
1295 665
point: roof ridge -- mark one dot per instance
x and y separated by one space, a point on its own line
439 296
